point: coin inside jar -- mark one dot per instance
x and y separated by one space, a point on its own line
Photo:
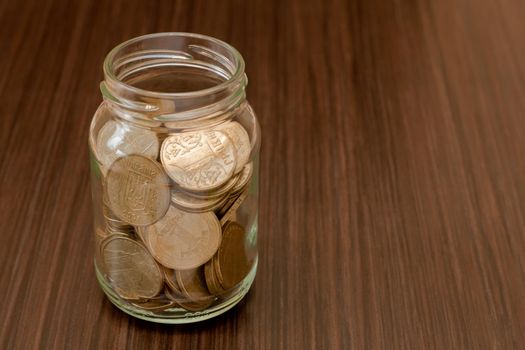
155 305
199 160
180 294
229 209
182 301
138 190
132 271
211 278
182 240
216 192
244 178
240 140
194 204
117 140
192 283
113 223
232 264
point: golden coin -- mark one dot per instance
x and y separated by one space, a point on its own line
123 229
133 272
220 204
138 190
155 305
230 208
193 204
211 278
215 269
113 223
182 301
232 262
199 160
192 283
169 277
117 140
175 293
216 192
101 234
244 178
241 142
182 240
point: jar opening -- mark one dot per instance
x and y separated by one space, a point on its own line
173 78
173 73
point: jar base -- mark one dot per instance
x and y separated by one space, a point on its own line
178 315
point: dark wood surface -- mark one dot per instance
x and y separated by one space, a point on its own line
392 173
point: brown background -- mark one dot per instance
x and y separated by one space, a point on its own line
393 174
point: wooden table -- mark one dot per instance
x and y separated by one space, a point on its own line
392 180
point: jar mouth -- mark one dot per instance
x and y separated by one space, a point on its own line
171 48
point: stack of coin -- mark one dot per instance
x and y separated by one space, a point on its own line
188 288
204 162
210 169
218 201
113 224
231 264
170 239
157 304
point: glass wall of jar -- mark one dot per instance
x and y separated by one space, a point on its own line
174 163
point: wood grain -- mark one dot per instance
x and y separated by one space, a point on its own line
392 173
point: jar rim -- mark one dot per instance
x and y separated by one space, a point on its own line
237 74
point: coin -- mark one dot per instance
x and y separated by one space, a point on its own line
175 295
117 140
230 208
174 292
240 140
169 277
216 192
192 283
232 263
137 190
193 204
101 234
132 271
155 305
113 223
244 178
183 302
220 204
199 160
211 278
182 240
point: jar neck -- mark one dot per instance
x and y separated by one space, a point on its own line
173 77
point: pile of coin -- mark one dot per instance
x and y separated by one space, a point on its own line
230 265
171 238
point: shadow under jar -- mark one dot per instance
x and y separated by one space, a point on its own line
174 166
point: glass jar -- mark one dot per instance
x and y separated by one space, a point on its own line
174 169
